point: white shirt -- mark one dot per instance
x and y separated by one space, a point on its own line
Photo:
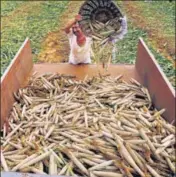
79 54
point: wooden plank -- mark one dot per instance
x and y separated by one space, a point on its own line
14 78
80 71
152 77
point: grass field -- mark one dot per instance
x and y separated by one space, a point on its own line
35 19
22 19
158 26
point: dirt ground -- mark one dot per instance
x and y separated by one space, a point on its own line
55 47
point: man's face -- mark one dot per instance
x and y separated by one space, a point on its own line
76 29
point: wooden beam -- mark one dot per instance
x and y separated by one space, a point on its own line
80 71
14 78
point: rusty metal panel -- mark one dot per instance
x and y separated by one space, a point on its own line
152 77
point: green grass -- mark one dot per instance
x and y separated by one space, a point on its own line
127 48
9 6
34 25
161 11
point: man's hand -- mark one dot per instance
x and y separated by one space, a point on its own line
78 17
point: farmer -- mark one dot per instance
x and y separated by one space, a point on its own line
80 45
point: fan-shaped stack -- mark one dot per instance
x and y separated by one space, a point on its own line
103 11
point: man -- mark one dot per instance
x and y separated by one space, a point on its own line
80 45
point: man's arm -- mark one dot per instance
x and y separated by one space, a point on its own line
120 35
69 25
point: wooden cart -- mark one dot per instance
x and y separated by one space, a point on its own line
146 71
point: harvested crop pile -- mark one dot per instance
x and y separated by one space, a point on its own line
104 36
101 126
101 47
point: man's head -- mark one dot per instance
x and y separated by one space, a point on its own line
76 30
81 39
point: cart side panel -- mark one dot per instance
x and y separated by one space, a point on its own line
14 78
81 71
152 77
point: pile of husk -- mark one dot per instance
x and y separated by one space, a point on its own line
101 126
102 45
